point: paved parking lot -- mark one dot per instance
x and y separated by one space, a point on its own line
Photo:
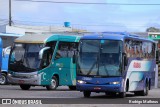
63 93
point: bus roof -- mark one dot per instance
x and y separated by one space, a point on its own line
11 34
115 36
43 38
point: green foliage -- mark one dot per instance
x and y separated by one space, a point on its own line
152 29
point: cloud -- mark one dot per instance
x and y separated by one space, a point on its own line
4 8
115 17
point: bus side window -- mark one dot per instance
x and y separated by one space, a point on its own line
128 48
47 56
72 49
66 50
62 51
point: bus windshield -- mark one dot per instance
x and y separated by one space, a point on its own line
25 57
99 58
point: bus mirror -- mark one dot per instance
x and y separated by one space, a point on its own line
6 51
125 59
42 51
157 57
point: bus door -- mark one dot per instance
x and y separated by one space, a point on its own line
63 63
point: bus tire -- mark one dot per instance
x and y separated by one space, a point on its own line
54 84
110 94
25 87
72 87
145 90
107 93
4 79
122 94
137 93
86 94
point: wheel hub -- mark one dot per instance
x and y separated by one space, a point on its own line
3 79
53 83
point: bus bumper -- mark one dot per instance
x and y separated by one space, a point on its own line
99 88
24 78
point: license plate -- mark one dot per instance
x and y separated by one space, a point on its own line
97 88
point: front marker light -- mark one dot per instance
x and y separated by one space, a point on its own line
114 82
81 82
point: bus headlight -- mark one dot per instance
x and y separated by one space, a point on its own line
81 82
9 74
33 76
114 82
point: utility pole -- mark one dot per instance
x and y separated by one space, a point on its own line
10 15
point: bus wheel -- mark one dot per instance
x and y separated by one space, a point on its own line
107 93
110 94
72 87
25 87
122 94
145 90
4 79
137 93
86 94
54 84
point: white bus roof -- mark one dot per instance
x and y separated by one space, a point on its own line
42 38
10 34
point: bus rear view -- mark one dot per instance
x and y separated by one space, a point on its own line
103 66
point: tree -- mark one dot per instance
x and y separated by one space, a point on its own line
152 29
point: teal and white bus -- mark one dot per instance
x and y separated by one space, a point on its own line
43 60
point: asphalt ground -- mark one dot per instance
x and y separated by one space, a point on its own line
65 97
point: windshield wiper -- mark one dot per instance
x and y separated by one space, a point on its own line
95 63
26 59
106 69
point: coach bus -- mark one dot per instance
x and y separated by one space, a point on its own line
43 60
115 63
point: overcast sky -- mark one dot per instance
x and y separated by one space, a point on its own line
92 17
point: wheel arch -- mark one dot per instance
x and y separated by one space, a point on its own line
5 72
146 81
127 85
57 76
149 83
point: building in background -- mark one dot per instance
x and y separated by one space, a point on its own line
23 29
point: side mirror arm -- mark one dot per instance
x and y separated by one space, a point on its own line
42 51
5 50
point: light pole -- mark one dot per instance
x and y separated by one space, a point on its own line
10 17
